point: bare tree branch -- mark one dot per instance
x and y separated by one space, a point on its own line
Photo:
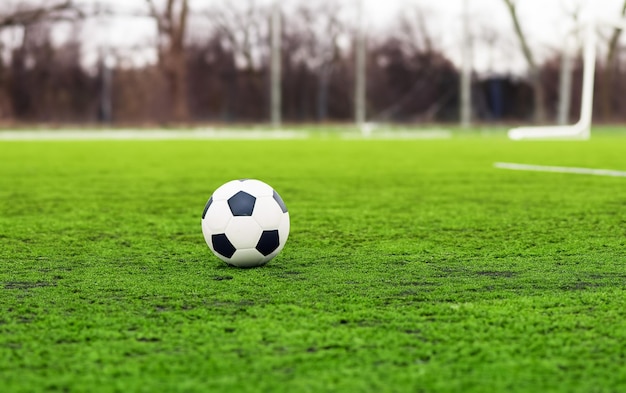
61 11
528 54
607 79
535 76
172 27
244 29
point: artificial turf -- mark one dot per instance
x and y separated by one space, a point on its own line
412 266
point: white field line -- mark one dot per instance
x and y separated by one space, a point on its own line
206 133
560 169
87 135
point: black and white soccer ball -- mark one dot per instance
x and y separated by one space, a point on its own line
245 223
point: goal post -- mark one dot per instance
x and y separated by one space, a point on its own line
581 130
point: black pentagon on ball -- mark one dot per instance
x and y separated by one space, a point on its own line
280 202
241 204
206 207
222 245
268 243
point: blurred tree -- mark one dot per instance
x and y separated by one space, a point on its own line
28 16
314 34
410 78
533 68
244 26
24 15
48 83
27 13
212 68
171 23
243 31
608 76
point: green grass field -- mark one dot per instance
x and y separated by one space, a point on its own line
412 266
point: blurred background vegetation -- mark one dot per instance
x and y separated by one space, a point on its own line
212 64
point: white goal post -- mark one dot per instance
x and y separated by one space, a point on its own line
582 128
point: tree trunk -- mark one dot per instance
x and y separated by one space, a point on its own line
178 85
607 79
171 26
323 79
534 71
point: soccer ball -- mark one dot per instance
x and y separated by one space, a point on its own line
245 223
